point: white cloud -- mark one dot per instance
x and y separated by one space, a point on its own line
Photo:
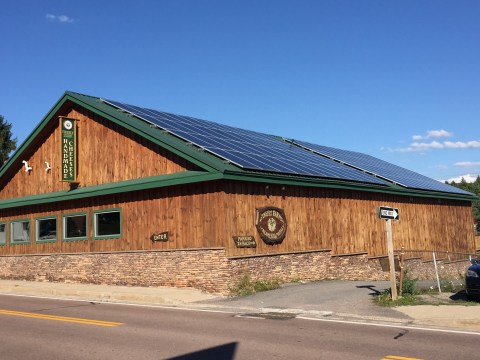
470 178
424 146
59 18
467 163
462 144
433 134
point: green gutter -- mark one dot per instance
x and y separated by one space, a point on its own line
152 182
338 184
191 177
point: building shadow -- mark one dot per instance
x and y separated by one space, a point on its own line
374 292
222 352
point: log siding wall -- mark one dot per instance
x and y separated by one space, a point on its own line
347 222
210 214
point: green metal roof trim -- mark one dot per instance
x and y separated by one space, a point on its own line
218 168
269 178
190 177
152 182
167 141
31 137
142 128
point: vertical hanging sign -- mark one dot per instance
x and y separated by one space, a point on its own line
69 149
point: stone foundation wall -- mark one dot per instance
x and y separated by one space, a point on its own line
209 270
308 266
425 270
205 269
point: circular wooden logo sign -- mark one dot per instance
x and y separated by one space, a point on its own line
271 224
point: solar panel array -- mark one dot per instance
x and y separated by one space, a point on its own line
383 169
247 149
262 152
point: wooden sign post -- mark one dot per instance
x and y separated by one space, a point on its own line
391 259
388 214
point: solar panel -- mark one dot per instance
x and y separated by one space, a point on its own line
247 149
383 169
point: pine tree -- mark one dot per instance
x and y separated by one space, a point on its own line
7 144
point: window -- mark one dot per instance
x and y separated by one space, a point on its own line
46 229
107 224
75 227
20 231
3 233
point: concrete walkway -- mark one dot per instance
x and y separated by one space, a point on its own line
104 293
464 317
346 300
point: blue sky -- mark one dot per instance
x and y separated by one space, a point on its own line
399 80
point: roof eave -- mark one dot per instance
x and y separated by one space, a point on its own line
177 146
283 179
147 183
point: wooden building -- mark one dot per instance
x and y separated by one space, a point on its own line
100 192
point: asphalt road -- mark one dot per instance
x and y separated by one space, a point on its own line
33 328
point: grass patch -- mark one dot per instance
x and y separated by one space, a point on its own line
246 286
385 299
409 286
413 295
451 286
409 294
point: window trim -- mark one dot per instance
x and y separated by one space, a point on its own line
6 237
46 217
64 227
95 226
29 232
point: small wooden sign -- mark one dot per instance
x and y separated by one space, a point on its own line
245 241
161 236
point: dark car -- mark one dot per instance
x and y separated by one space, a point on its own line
472 280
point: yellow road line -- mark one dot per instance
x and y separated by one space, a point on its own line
60 318
394 357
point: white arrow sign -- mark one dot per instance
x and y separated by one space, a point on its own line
388 213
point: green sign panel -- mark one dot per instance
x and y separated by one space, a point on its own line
69 150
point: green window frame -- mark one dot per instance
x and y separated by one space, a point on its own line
46 229
75 226
3 233
107 224
20 231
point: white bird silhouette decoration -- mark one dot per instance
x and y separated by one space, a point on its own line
27 168
47 166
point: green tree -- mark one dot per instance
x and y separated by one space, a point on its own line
7 144
473 187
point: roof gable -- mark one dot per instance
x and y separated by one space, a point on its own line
289 162
107 152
